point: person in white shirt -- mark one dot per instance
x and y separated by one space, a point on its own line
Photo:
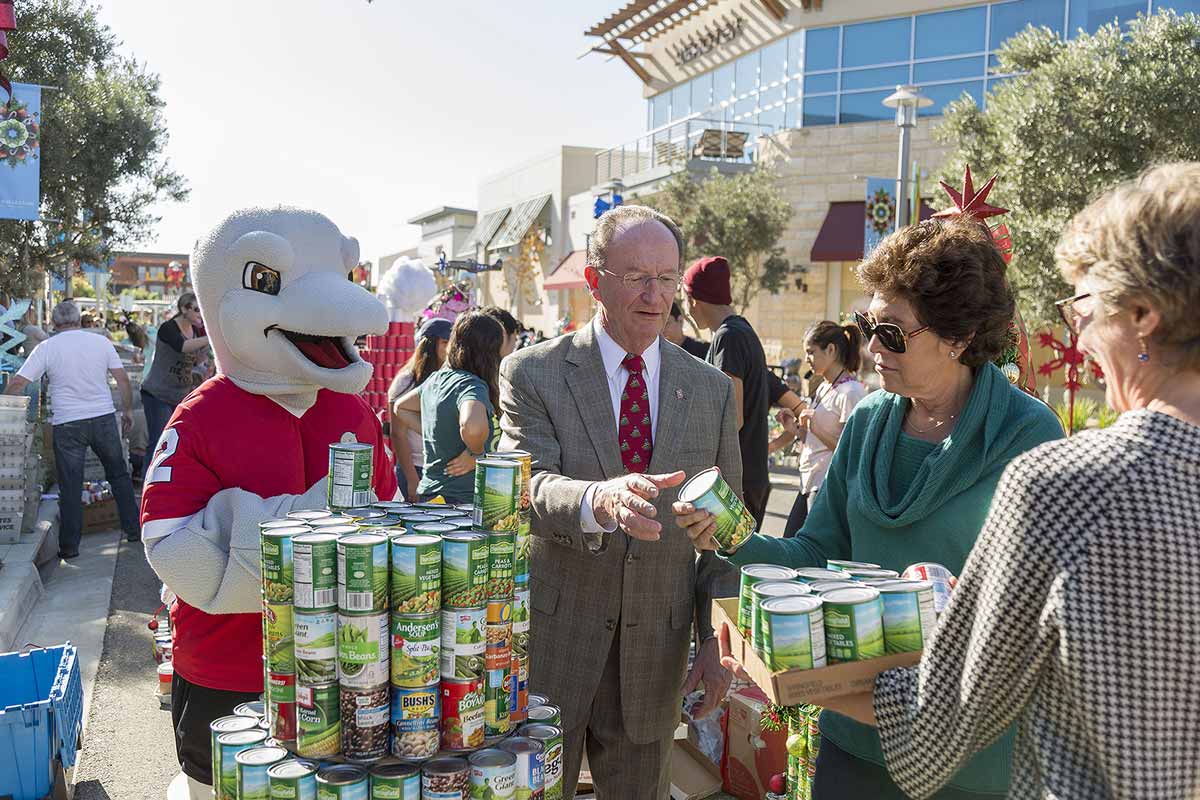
78 364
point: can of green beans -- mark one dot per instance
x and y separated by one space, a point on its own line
350 467
416 574
362 573
318 720
277 618
464 644
501 549
793 632
316 646
853 623
363 650
750 575
765 591
497 494
465 569
708 491
314 565
293 780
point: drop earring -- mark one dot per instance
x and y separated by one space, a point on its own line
1144 355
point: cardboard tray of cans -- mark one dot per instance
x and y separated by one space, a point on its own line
796 686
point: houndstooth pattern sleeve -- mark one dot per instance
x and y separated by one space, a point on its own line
1076 616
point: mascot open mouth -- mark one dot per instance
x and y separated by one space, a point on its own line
327 352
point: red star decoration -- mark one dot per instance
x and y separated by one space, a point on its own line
968 202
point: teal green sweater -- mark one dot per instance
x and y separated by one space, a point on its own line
895 500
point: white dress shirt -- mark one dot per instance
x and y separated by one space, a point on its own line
613 354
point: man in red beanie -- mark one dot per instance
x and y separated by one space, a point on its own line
736 351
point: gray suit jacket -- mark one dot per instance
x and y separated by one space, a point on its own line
555 403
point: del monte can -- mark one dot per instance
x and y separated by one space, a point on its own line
708 491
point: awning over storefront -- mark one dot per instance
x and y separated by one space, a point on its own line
518 222
841 234
569 272
481 235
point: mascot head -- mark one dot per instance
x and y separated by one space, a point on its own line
280 311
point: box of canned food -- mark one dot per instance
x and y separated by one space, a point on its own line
846 627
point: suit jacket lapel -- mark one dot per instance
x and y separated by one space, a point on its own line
589 386
674 402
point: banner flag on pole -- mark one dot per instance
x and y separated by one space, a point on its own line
881 212
20 151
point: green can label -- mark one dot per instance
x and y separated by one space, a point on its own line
524 508
252 766
793 633
765 590
218 727
318 720
416 650
416 574
292 780
520 618
396 787
750 575
908 616
464 642
465 570
362 568
314 560
281 688
277 564
349 482
316 646
497 691
501 549
228 746
708 491
278 622
497 494
363 651
853 624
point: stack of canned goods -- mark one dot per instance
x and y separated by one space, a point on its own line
849 611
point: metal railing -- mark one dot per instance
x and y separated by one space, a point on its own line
720 141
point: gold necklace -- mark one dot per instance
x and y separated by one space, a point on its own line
937 424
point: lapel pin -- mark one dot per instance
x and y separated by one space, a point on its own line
679 394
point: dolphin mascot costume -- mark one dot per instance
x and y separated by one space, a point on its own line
252 444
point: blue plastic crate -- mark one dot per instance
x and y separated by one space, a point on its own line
41 713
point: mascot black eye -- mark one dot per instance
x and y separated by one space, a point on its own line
261 278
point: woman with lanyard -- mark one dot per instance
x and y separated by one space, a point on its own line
834 353
179 342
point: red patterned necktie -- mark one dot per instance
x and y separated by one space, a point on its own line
633 428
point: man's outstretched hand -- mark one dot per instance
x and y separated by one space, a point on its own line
629 501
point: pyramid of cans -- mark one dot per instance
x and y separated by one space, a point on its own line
395 642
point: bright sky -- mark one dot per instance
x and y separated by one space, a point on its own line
369 113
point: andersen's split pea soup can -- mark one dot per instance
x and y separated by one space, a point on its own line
853 623
416 650
908 615
793 632
765 591
750 575
349 483
416 574
708 491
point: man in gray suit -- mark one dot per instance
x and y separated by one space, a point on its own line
616 417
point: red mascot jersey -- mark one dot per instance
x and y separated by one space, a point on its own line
225 438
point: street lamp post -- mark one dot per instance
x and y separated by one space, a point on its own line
906 100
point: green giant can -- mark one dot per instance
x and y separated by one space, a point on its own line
750 575
316 646
349 482
853 624
416 574
277 623
708 491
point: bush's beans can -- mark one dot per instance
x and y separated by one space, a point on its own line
842 566
342 782
350 467
867 574
254 708
545 715
518 699
524 509
362 573
228 745
793 632
498 652
497 495
497 692
551 736
395 782
314 560
416 574
316 646
908 615
937 575
277 568
538 700
820 587
814 574
252 766
493 774
763 591
231 724
462 713
366 723
277 622
281 707
853 623
292 780
446 778
416 715
464 642
501 547
364 648
708 491
309 515
750 575
333 521
318 720
464 570
416 650
531 766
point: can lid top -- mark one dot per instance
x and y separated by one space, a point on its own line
243 737
312 513
844 565
338 774
314 537
856 594
281 522
824 586
542 713
414 539
234 722
509 454
416 515
391 505
333 519
340 529
447 513
856 572
465 536
381 523
362 538
285 532
433 527
819 573
492 460
768 571
492 757
253 708
258 756
905 586
467 507
792 604
394 770
521 745
444 765
780 588
698 484
359 511
351 446
540 732
291 769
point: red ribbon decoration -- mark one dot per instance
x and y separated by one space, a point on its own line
8 22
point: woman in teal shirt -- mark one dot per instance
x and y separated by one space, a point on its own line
915 469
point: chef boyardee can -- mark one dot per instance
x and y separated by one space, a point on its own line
222 725
318 720
750 575
531 766
853 624
416 650
524 509
763 591
552 737
228 745
350 467
342 782
501 548
464 570
814 574
462 713
395 782
416 714
366 722
464 642
497 494
908 615
316 646
446 778
793 633
292 780
497 692
493 774
252 766
277 619
708 491
364 649
314 565
416 574
842 566
362 573
545 715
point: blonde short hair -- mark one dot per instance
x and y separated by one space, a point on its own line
1141 242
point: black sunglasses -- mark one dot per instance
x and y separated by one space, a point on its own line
891 336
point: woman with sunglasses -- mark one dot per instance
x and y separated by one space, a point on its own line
916 466
169 379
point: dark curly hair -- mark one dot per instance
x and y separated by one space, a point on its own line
952 273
